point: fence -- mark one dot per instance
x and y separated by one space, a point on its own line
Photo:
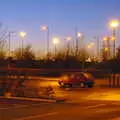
113 80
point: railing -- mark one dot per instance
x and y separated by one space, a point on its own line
113 80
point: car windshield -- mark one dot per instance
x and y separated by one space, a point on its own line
88 75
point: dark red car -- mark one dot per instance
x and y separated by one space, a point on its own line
82 79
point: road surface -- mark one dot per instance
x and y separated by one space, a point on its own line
75 108
85 110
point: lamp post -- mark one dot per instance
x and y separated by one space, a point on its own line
90 45
9 41
78 36
22 34
9 47
46 28
55 42
107 49
68 39
114 24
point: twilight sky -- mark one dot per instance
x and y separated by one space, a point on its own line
62 16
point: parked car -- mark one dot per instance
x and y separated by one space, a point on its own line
82 79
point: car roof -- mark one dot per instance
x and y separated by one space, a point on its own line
72 73
78 73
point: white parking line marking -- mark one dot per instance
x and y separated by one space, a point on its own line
94 106
37 116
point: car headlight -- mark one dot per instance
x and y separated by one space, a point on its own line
65 78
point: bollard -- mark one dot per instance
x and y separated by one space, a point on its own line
118 80
113 80
110 80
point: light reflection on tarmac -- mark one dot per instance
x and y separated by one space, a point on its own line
41 83
75 93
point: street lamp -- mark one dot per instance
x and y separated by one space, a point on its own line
46 28
90 45
55 42
9 42
78 36
114 24
68 39
9 47
107 46
106 49
22 34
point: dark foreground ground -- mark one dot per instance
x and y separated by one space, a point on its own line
97 103
84 110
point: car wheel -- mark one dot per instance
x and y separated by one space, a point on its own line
82 85
61 85
68 85
90 86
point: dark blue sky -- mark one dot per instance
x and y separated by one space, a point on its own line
90 16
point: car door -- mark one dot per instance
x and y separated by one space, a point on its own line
76 79
81 78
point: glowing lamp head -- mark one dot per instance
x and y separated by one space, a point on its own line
23 34
56 41
106 38
114 23
68 38
113 38
106 49
44 28
79 34
89 46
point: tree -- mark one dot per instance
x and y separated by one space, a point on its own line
17 54
3 36
118 52
27 54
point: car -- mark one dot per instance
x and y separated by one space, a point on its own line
81 79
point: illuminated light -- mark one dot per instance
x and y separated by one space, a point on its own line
114 23
113 38
106 49
65 78
56 40
23 34
88 60
8 94
105 38
92 44
89 46
44 28
69 38
79 34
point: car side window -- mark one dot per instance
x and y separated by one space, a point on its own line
81 76
72 76
77 77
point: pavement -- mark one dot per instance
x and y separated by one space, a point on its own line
85 110
99 102
101 91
